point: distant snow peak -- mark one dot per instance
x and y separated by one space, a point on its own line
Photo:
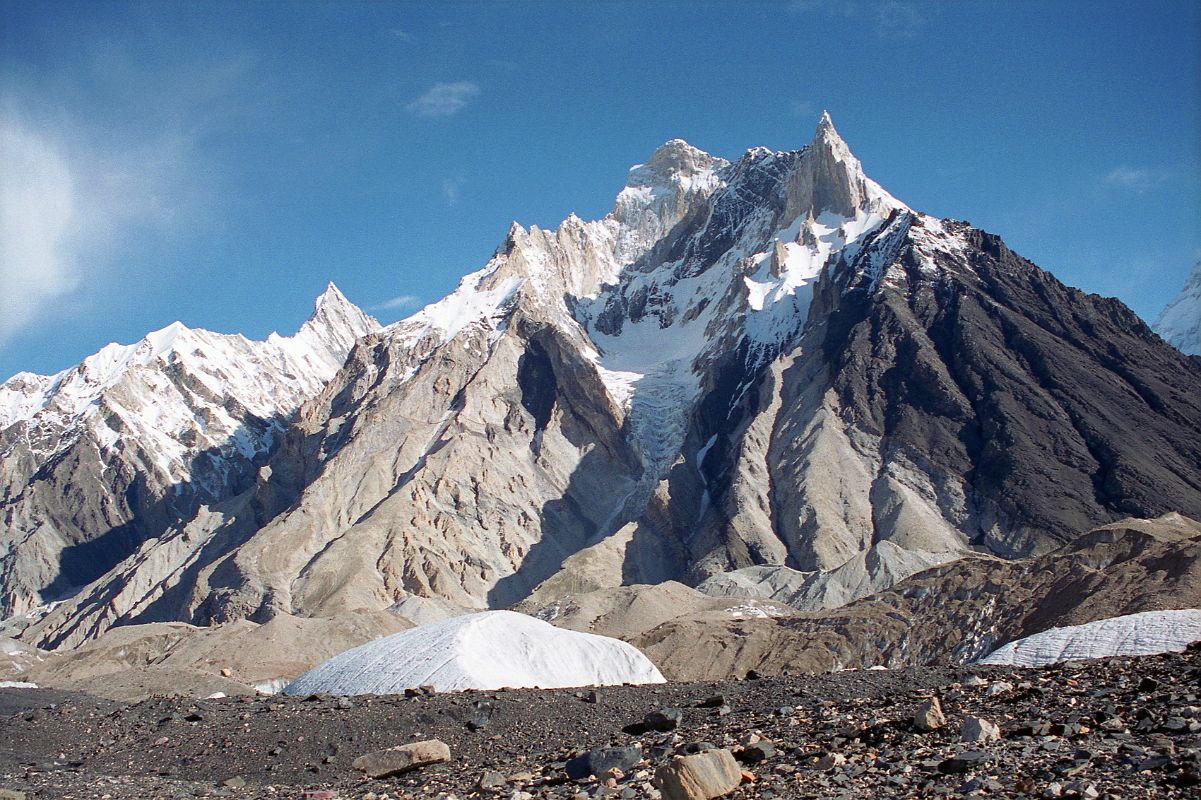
331 297
173 391
1180 322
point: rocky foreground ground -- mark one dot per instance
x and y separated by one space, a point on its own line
1119 728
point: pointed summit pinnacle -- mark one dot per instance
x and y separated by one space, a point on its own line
331 296
826 136
829 178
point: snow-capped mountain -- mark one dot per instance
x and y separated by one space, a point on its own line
770 362
1180 322
105 455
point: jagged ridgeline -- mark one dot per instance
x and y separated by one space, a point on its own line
760 373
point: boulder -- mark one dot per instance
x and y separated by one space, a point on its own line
402 758
708 774
977 729
929 716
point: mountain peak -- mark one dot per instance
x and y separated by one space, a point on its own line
336 323
331 296
827 139
1179 324
674 157
830 178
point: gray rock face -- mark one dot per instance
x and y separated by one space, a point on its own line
766 377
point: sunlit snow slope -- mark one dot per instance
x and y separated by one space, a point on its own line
1142 634
489 650
1180 322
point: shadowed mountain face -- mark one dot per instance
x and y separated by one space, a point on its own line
769 362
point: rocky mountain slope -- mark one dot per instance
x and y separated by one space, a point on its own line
770 362
99 462
1180 322
952 614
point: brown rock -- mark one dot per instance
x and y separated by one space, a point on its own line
929 716
402 758
701 776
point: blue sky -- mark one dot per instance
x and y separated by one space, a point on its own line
218 162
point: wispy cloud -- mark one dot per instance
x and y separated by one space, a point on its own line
803 108
67 200
890 19
38 212
896 19
452 188
82 194
444 99
1134 179
401 302
401 35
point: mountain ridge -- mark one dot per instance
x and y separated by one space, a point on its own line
139 435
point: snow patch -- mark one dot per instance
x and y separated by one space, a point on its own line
487 650
1148 633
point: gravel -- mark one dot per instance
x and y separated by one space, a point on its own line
1113 728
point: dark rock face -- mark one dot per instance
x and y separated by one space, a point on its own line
1062 410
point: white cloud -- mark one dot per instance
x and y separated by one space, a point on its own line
452 189
398 303
71 198
1134 179
401 35
38 215
803 108
897 20
891 19
444 99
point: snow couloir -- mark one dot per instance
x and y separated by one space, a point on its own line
488 650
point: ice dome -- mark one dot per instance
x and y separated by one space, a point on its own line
487 650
